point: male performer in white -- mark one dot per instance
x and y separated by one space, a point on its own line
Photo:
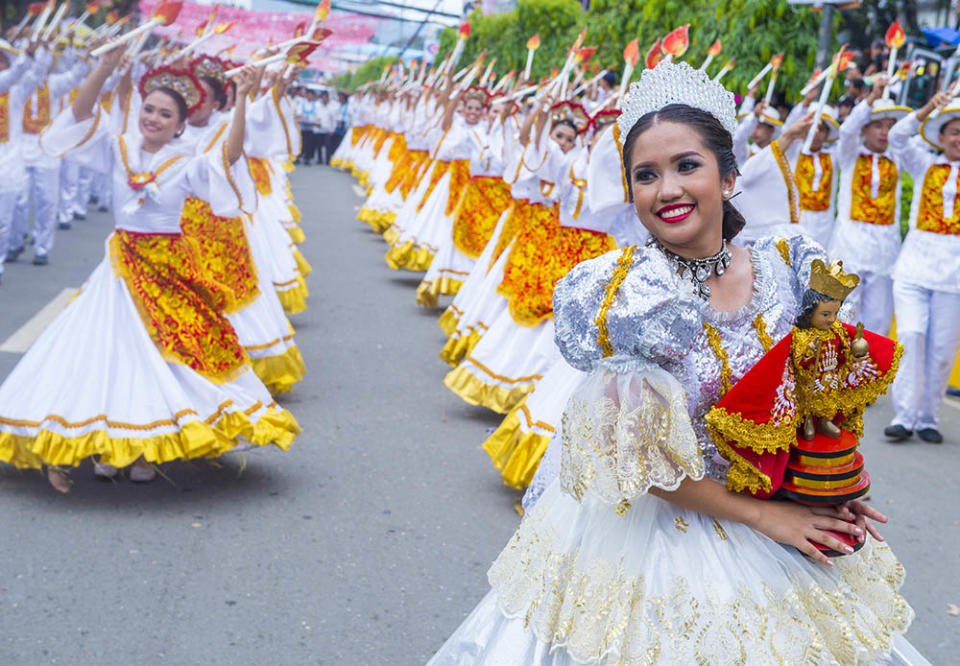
42 170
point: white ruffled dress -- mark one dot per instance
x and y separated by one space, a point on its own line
95 382
600 571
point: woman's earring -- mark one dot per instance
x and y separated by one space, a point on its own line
726 194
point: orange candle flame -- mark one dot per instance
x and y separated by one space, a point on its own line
631 54
677 42
654 55
896 37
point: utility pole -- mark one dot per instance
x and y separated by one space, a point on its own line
825 36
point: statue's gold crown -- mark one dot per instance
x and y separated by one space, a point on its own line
832 281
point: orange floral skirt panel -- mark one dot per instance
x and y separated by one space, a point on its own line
224 252
543 252
180 306
484 200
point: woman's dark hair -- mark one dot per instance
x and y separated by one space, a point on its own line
218 93
811 299
182 108
713 136
564 121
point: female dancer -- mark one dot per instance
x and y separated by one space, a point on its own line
142 367
638 553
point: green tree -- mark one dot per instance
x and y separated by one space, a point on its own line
751 30
368 71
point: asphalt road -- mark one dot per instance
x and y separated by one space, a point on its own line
367 542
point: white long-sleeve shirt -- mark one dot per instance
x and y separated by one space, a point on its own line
930 256
867 236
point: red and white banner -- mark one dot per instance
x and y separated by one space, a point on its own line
255 29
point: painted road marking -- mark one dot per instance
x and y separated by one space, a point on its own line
24 336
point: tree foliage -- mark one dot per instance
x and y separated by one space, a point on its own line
368 71
751 30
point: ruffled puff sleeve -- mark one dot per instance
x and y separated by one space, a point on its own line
228 188
624 319
87 142
794 254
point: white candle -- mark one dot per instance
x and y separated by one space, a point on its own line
723 71
136 32
770 86
529 65
891 68
627 73
759 77
55 22
707 61
815 82
821 102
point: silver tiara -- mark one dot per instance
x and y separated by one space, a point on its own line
676 83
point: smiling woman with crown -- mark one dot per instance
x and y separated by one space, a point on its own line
639 553
142 367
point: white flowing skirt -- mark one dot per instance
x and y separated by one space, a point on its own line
579 584
94 383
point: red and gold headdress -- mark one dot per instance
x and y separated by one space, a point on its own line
572 111
181 81
477 93
211 66
603 118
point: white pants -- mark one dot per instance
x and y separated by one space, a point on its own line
102 189
8 203
928 327
69 190
84 189
873 302
43 185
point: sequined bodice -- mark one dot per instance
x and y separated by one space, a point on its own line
741 336
650 316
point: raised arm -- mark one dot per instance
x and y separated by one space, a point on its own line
245 81
90 90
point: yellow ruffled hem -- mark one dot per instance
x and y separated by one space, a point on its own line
336 162
382 221
475 392
365 214
195 439
302 264
294 299
515 453
409 257
459 348
448 321
295 212
379 221
296 233
429 293
280 372
391 235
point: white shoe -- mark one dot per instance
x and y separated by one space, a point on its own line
142 473
104 471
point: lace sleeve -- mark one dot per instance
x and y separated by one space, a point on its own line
625 430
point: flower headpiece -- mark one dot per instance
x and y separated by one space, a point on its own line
567 110
208 65
676 83
180 81
832 281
